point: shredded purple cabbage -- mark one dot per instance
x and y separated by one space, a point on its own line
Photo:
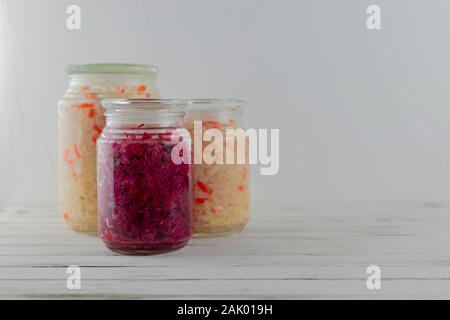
145 200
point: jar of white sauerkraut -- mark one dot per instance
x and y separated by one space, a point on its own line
221 184
80 122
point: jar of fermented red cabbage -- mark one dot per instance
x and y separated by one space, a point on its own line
80 121
144 177
221 184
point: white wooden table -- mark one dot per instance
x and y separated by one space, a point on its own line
293 253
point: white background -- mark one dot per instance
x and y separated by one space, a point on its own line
363 115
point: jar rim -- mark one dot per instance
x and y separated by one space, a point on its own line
141 103
112 68
144 107
158 112
212 105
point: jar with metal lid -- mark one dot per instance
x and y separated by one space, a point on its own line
80 122
221 187
144 189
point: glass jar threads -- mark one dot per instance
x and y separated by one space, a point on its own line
80 121
221 189
144 196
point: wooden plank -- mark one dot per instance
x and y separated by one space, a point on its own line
287 252
243 288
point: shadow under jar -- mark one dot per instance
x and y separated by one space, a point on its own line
221 189
80 121
144 196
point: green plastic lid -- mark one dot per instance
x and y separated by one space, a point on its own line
112 68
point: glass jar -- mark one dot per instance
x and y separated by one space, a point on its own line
221 190
80 121
144 197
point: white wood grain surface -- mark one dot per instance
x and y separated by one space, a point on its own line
293 253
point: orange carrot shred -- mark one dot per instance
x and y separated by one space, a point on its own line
97 128
84 105
76 151
204 187
213 124
91 113
66 215
142 88
241 188
200 200
67 157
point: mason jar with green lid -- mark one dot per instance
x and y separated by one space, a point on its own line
80 122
